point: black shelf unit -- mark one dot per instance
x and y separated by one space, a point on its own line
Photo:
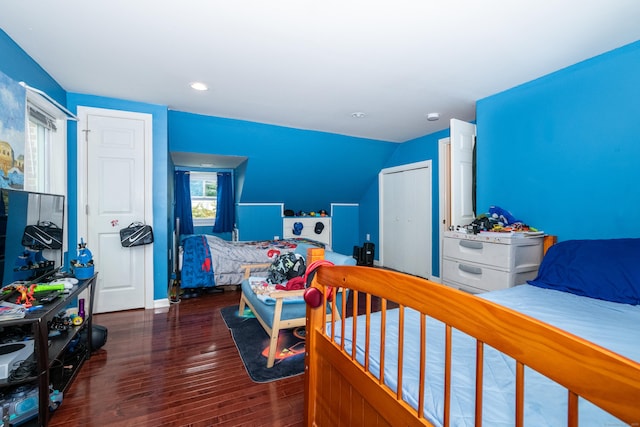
49 350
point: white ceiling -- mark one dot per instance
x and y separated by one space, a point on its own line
311 64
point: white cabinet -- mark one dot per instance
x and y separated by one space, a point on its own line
479 263
309 228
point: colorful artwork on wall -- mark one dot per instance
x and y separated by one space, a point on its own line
12 133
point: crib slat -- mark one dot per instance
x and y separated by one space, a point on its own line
367 331
572 410
354 327
423 362
383 334
333 319
519 394
342 324
400 350
447 375
479 376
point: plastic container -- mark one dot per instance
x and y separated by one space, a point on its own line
82 273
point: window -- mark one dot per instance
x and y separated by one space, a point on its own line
204 193
45 162
36 165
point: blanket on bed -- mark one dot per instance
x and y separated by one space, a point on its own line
227 258
196 271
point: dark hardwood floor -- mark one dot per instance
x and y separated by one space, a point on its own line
175 367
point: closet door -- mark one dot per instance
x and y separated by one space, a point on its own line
405 218
393 222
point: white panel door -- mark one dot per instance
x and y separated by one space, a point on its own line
463 138
392 236
115 197
405 218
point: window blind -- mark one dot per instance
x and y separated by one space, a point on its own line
41 117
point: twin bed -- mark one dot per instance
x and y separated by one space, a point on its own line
208 261
563 349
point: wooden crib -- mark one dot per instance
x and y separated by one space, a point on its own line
342 389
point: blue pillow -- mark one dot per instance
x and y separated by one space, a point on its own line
603 269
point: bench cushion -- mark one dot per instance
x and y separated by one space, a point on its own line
265 311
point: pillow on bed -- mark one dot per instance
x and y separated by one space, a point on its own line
603 269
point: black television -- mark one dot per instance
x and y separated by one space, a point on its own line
22 259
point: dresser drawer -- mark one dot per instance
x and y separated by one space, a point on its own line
480 278
520 255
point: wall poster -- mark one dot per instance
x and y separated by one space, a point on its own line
13 100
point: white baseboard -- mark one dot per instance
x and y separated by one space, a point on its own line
160 303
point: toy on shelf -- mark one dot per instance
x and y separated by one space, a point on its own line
82 266
26 295
320 212
30 263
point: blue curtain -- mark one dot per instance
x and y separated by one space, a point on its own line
183 203
225 217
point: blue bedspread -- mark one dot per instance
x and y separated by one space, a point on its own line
611 325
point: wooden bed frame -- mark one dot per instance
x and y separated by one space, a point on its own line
340 391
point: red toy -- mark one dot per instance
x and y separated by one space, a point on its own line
26 295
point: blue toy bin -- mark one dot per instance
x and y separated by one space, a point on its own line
82 273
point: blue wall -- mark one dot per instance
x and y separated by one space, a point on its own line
344 228
16 64
259 221
305 170
561 152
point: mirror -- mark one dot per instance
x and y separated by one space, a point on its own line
18 210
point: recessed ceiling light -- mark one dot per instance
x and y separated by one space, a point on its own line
432 117
198 86
358 115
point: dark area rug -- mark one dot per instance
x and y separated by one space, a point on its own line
253 344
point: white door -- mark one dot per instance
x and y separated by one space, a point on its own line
392 221
405 218
463 139
113 148
444 185
458 196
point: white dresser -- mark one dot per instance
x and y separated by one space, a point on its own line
479 263
308 228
